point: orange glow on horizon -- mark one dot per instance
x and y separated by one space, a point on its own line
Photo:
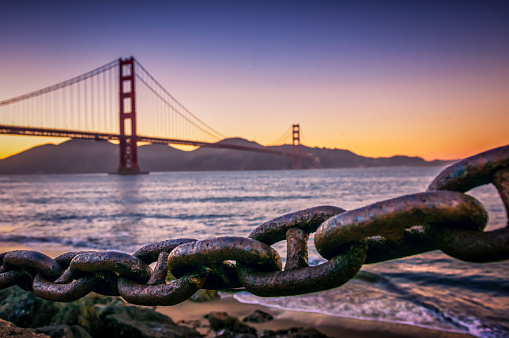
433 116
433 150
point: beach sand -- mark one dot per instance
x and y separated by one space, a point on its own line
284 319
190 313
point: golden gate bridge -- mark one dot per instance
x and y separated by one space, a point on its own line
119 101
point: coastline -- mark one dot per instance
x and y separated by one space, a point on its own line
285 319
192 312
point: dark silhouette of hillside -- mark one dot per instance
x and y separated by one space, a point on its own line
84 156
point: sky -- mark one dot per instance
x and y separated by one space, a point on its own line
379 78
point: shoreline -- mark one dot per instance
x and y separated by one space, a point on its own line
286 319
189 312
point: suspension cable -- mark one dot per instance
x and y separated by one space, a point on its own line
60 85
282 137
174 99
169 104
303 137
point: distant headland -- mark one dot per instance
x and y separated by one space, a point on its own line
84 156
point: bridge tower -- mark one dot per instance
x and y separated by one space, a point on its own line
296 160
128 164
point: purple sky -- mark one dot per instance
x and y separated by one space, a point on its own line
425 78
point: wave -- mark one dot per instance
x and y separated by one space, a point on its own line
76 243
58 218
498 284
235 199
375 297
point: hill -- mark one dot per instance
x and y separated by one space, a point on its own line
84 156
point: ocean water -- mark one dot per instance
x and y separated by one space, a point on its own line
110 212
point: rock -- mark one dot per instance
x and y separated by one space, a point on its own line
83 318
191 323
203 295
258 317
221 320
118 320
7 292
81 312
10 330
299 332
99 299
228 334
25 309
64 331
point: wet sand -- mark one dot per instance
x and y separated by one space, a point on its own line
192 313
284 319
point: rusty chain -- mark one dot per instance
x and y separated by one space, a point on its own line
442 218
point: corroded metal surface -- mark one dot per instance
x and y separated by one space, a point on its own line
33 261
65 259
173 293
66 277
150 253
297 249
331 274
119 262
390 218
474 246
501 182
472 171
188 257
160 271
414 241
16 277
308 220
441 218
64 292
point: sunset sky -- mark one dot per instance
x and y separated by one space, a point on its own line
379 78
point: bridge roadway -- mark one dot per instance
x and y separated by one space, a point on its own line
28 131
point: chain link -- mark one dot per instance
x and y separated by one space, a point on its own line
442 218
467 244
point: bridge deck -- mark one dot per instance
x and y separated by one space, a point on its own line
28 131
